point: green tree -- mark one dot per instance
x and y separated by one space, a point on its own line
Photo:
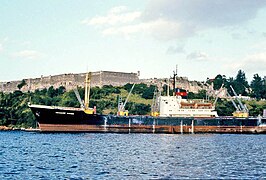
148 92
20 85
138 108
200 95
240 84
257 87
61 90
69 99
138 88
224 108
218 81
51 92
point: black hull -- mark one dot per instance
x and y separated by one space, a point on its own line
66 116
52 119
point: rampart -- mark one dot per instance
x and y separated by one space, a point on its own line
99 78
69 81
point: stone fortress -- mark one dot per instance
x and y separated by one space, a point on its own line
99 78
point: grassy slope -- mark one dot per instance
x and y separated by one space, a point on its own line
132 98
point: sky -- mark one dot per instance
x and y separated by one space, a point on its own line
203 38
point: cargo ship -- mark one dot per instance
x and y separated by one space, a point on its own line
170 114
68 119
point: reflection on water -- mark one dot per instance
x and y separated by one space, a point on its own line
131 156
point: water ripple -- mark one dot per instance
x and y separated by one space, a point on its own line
131 156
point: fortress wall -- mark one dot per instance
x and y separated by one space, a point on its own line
69 81
118 79
181 82
99 78
9 86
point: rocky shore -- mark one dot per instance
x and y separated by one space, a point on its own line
5 128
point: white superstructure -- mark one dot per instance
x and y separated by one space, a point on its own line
175 106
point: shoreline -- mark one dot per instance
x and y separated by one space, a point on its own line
6 128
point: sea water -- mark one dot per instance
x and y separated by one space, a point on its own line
28 155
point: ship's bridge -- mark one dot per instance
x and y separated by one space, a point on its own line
175 106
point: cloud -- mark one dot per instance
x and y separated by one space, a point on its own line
1 48
160 29
199 56
118 10
175 49
198 15
120 21
175 19
115 16
27 54
253 63
205 12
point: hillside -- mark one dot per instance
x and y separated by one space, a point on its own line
14 109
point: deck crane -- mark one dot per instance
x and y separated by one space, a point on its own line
121 105
242 110
155 105
85 105
79 98
233 102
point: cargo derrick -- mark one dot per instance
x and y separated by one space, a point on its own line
121 106
155 103
241 110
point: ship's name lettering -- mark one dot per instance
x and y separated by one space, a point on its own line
60 112
69 113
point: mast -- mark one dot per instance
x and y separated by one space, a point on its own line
87 90
174 78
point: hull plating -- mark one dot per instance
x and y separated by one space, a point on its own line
76 120
151 129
